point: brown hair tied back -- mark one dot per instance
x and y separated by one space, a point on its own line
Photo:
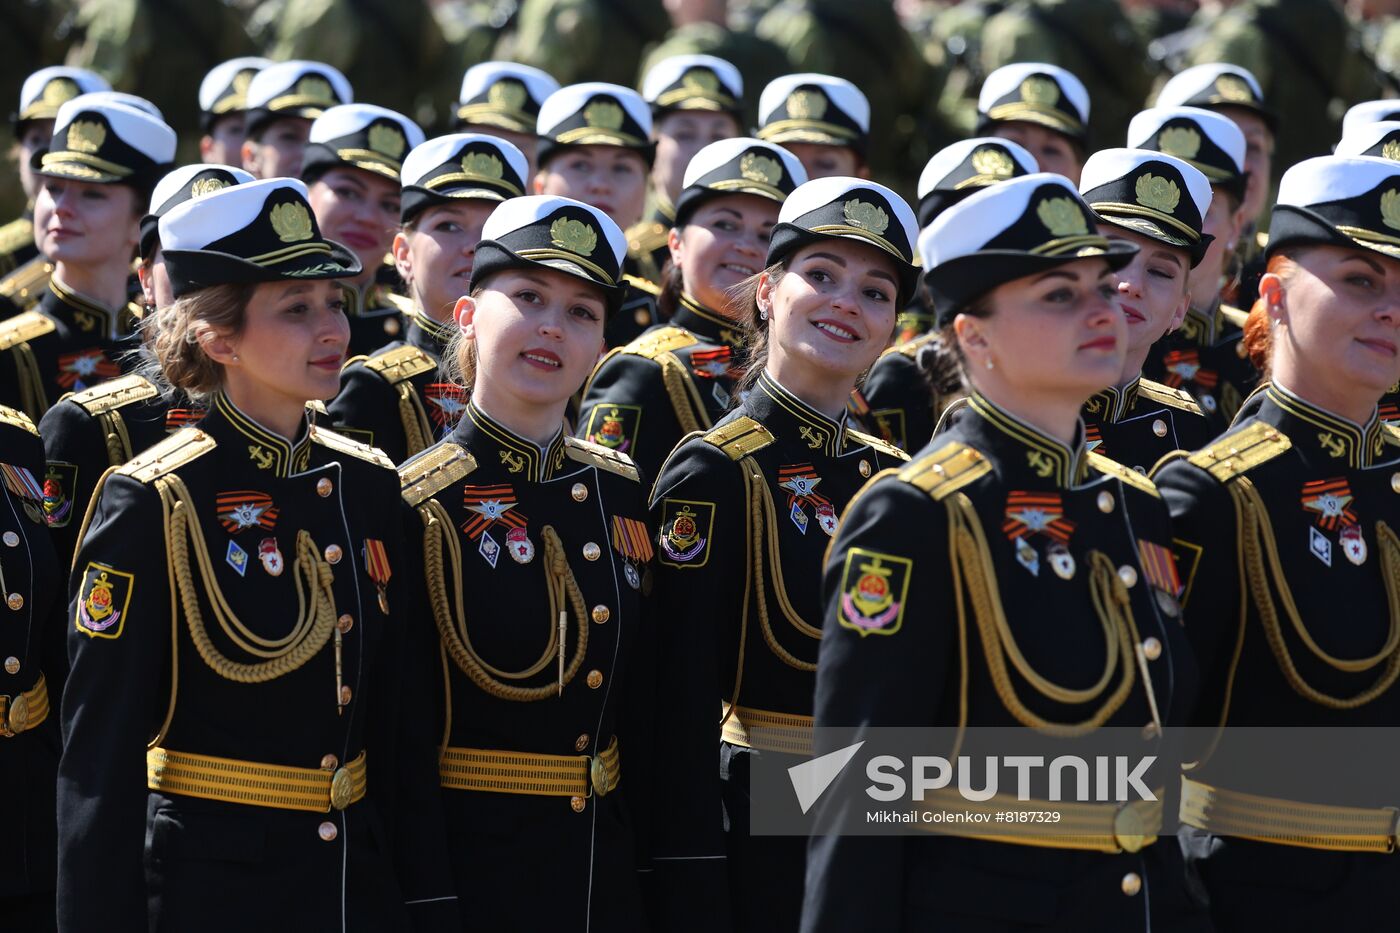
1258 339
458 364
182 363
745 296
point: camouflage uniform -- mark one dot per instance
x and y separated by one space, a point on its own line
584 40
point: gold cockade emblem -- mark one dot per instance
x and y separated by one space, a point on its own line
1157 193
1038 89
603 114
989 160
1234 88
86 136
507 94
207 186
755 167
315 87
60 91
482 165
1062 217
866 216
387 140
1180 141
700 79
806 105
1390 209
291 222
574 236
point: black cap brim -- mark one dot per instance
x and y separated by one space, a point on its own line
1290 225
1144 226
192 270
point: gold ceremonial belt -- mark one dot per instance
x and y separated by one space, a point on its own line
767 731
317 790
527 773
24 711
1090 827
1288 822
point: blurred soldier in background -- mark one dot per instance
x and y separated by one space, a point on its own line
584 40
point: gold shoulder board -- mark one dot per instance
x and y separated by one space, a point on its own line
911 348
647 235
16 234
400 364
662 340
400 303
24 327
1166 395
1390 433
432 471
114 393
601 457
880 444
1128 475
317 406
740 437
343 445
170 454
24 282
1234 315
642 285
946 470
16 418
1235 454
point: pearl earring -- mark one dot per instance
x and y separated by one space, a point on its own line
990 364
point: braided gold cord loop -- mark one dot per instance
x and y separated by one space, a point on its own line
452 623
417 432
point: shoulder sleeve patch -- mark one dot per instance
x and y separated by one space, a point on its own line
686 528
740 437
18 419
400 363
882 446
104 599
1236 454
170 454
23 327
614 427
946 470
874 590
343 445
1166 395
432 471
1127 475
601 457
60 483
114 393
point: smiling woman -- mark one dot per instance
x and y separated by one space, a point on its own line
536 566
314 628
743 512
1289 557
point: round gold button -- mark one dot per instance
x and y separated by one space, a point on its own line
577 804
12 665
595 679
1395 482
1128 575
1159 427
329 763
15 601
581 742
327 831
11 539
591 551
345 695
345 623
579 492
333 553
324 487
1132 884
1105 501
601 614
1151 648
864 467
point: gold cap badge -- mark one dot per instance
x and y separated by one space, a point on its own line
603 114
507 94
574 236
482 165
291 222
1038 89
1157 193
1062 217
760 168
207 186
700 79
1180 141
315 87
1233 88
991 161
86 136
806 105
1391 150
866 216
60 91
1390 209
387 140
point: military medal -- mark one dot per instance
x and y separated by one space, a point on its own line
379 570
631 540
711 364
1027 557
1353 544
270 556
448 401
1330 500
177 418
800 480
242 509
1320 547
237 558
826 518
1159 567
522 551
490 506
1061 560
26 488
79 370
634 579
798 516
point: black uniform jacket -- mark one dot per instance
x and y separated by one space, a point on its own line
1143 421
744 513
897 399
66 344
33 667
485 510
377 315
1298 504
637 311
395 398
1053 522
674 379
1205 357
241 597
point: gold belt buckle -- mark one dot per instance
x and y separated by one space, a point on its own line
17 718
342 789
1130 828
598 775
